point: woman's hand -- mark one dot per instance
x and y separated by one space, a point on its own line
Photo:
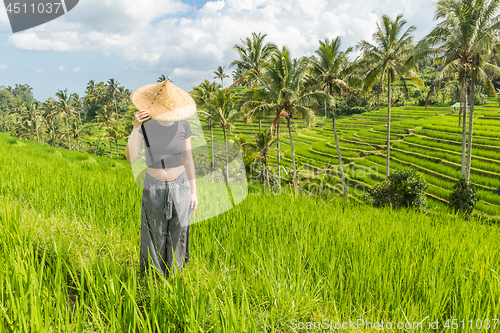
194 202
141 116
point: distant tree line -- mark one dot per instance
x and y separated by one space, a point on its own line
457 61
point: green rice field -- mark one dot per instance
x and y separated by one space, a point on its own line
426 140
69 245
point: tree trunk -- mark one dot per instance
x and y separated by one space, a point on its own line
378 94
266 173
212 145
278 133
388 126
293 156
116 143
36 126
110 150
471 120
227 159
463 107
339 156
69 138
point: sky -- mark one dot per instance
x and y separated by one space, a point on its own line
135 42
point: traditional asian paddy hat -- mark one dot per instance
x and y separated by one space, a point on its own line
219 173
165 101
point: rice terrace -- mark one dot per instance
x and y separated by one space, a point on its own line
373 194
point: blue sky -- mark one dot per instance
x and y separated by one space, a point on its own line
134 42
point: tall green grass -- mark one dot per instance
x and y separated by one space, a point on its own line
69 246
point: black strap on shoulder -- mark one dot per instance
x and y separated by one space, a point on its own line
151 153
147 143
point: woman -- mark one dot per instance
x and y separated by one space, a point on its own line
169 195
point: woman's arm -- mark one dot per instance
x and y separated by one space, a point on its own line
187 159
135 139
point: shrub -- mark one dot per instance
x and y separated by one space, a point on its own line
404 188
463 197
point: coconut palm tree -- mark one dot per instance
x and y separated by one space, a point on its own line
29 120
32 110
76 130
201 94
253 54
112 87
49 114
65 108
390 59
114 132
162 78
333 69
462 40
281 86
263 143
221 109
253 107
106 116
219 74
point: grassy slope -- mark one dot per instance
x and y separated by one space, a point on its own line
70 235
427 140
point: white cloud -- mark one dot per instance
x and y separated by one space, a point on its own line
61 68
159 35
4 20
39 71
2 66
76 69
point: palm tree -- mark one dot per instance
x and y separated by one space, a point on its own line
162 78
77 130
222 110
282 87
28 120
31 109
335 72
112 86
77 105
253 54
219 74
49 113
106 116
263 143
201 94
114 132
388 60
252 107
65 108
462 40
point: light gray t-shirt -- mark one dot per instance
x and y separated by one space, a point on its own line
165 142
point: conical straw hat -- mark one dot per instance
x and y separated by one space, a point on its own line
165 101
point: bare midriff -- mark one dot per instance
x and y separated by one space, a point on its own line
167 174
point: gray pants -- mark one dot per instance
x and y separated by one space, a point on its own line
165 221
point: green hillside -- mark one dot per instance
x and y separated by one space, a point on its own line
427 140
69 244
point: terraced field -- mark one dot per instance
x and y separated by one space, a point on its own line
427 140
